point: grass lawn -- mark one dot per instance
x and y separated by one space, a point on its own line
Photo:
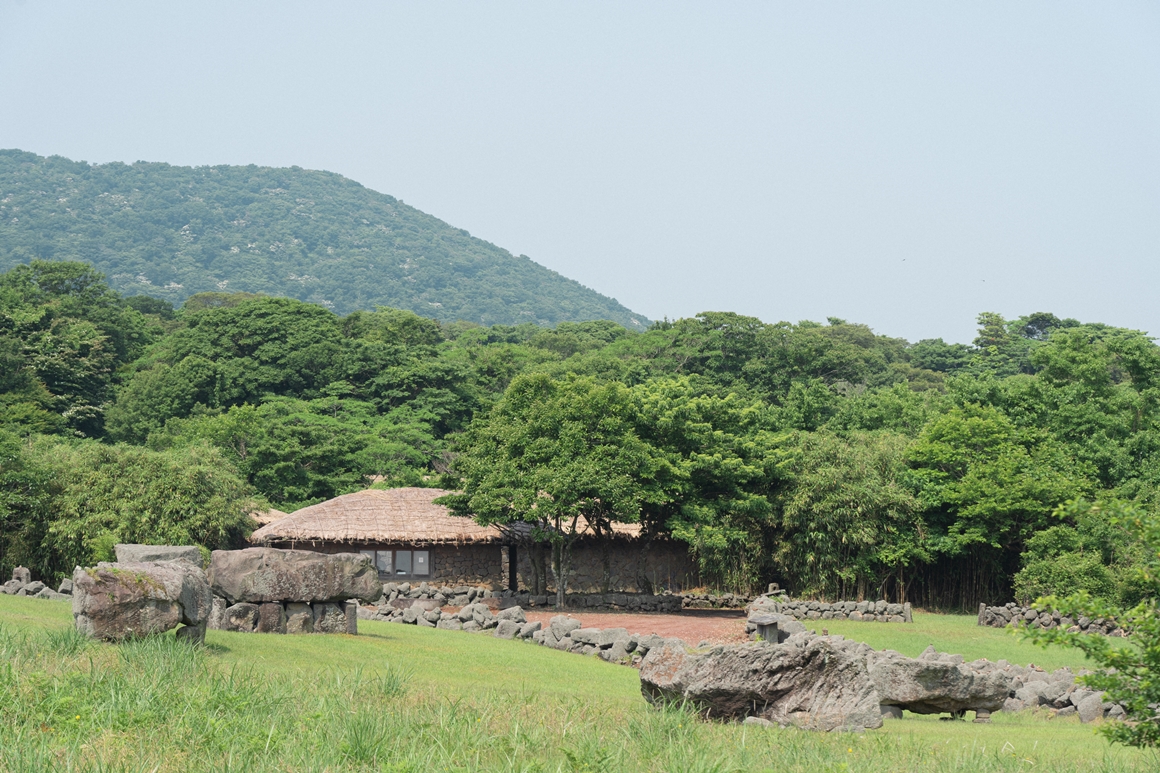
402 698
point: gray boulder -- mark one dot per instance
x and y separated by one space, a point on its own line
561 625
1091 708
242 618
118 601
66 587
22 575
814 682
127 554
217 613
259 575
506 629
299 617
586 636
271 618
527 630
935 686
32 588
329 617
513 613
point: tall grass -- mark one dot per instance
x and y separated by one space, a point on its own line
158 704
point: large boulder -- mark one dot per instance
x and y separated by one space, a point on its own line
930 686
119 601
137 553
815 682
261 575
819 683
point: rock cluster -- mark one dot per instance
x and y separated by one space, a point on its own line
116 601
878 611
1033 688
22 584
1011 614
266 590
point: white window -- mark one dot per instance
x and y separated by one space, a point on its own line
422 567
403 562
383 561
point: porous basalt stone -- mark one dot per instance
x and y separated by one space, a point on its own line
118 601
259 575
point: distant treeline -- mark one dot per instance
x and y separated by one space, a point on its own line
823 456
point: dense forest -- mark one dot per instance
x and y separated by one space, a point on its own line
171 232
829 458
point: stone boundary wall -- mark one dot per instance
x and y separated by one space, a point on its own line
870 611
1011 614
22 584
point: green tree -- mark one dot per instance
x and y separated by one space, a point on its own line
848 521
1130 675
103 494
560 458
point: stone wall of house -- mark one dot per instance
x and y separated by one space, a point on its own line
613 566
478 565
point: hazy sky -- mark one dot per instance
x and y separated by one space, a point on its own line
906 165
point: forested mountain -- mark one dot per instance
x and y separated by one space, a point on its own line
837 461
171 231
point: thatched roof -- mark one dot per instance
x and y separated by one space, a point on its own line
401 515
378 515
264 517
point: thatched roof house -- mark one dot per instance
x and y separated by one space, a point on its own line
379 515
411 538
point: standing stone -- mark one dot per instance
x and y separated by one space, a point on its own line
299 617
66 587
329 618
271 618
217 614
241 617
351 610
22 575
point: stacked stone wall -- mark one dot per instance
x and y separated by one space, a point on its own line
1014 615
880 611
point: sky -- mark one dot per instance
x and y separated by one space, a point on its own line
903 165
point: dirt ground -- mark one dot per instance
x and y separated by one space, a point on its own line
692 625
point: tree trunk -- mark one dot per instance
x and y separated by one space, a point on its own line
539 570
558 570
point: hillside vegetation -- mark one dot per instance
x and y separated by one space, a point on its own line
172 231
839 462
402 698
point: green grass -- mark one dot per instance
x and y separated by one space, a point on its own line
956 634
402 698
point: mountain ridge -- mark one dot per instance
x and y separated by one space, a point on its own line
173 231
